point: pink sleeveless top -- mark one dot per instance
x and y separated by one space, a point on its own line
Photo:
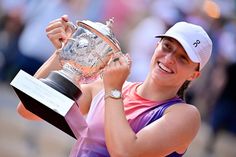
93 143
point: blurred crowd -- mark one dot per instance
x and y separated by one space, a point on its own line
24 45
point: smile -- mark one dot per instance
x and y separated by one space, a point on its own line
164 68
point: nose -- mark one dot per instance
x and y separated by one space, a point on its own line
170 58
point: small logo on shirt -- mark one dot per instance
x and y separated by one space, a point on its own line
196 43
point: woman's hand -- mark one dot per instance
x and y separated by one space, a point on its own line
116 72
58 31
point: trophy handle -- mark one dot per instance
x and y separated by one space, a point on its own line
72 26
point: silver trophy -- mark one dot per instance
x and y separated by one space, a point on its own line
83 58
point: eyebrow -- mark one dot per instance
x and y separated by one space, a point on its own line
169 39
172 40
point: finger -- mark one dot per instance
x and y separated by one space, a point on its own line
54 25
128 59
117 55
61 21
57 36
58 33
57 39
110 60
65 18
112 63
123 60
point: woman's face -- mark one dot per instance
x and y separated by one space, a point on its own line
171 64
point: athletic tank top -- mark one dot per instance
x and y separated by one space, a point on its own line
139 112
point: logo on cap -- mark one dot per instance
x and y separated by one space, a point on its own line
196 43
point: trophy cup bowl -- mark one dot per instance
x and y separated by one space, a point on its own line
83 56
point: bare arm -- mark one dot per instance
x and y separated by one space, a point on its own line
174 131
58 31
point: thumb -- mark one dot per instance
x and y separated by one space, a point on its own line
65 18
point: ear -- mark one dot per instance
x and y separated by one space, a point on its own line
195 75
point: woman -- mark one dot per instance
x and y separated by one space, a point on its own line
149 118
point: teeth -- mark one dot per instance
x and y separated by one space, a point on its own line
163 67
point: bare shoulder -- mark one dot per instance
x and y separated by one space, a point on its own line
183 110
176 129
186 117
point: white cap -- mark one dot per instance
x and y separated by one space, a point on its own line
194 40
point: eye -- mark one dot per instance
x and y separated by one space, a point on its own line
183 59
167 46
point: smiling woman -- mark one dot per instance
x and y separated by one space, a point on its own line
141 119
174 49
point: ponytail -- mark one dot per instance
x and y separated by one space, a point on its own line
181 92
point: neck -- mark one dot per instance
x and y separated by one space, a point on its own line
156 91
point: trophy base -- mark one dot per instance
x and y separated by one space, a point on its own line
62 85
45 102
47 114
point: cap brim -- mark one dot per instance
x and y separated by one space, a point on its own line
191 54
